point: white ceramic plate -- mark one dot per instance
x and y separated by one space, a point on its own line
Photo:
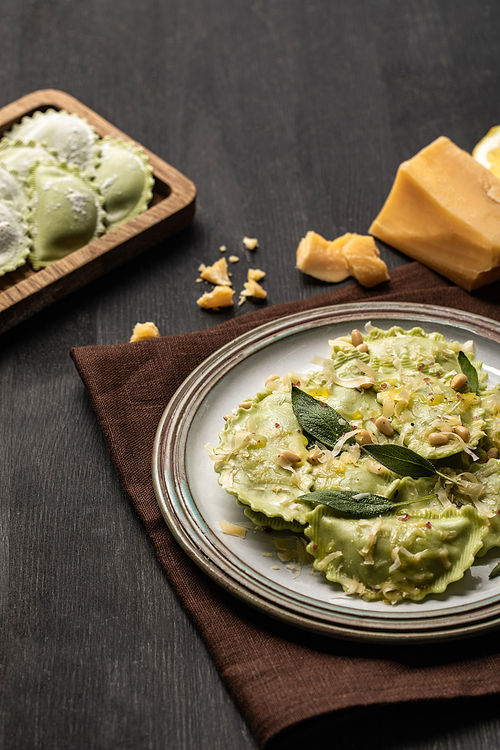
193 503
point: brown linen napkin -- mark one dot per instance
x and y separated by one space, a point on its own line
277 675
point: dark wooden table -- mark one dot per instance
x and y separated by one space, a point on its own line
289 115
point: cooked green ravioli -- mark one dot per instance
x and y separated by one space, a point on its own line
404 390
395 557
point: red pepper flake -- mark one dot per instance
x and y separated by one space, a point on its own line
322 403
298 382
315 546
438 374
404 518
428 525
383 386
421 368
276 424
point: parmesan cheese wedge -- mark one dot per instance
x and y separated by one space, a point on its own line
444 211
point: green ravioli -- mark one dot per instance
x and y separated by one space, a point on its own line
14 238
395 558
125 179
21 157
248 463
69 136
413 372
13 191
66 213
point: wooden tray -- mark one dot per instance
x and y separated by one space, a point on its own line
25 291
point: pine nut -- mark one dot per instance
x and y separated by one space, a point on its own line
245 404
462 432
362 347
492 453
363 437
228 416
356 337
314 455
271 378
459 381
385 427
290 456
438 438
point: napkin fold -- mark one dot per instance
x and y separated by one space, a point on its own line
280 677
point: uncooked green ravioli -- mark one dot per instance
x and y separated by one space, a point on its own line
66 213
12 190
14 238
125 179
438 523
48 175
69 136
20 157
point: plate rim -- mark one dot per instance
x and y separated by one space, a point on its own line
357 625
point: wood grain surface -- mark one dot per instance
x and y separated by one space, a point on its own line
288 115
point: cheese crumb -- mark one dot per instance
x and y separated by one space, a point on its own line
232 529
144 331
350 255
253 289
250 243
221 296
216 274
233 259
255 274
223 248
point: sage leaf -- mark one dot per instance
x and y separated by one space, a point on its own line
469 371
495 572
353 503
401 460
359 503
317 419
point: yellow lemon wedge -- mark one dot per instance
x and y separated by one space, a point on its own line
487 151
